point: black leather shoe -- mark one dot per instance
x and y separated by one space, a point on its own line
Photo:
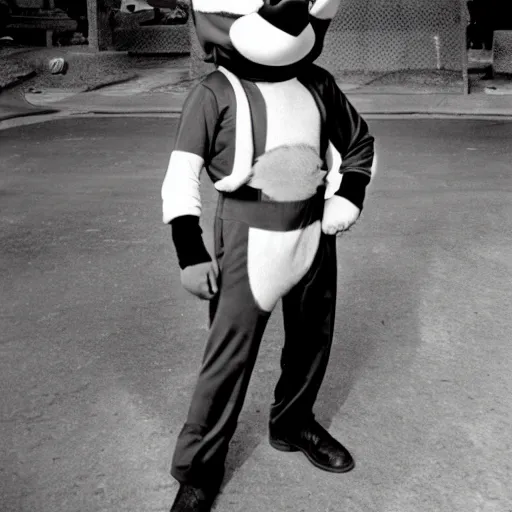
322 450
192 499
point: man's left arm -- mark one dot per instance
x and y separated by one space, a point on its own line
350 137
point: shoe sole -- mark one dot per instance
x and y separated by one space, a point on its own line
287 447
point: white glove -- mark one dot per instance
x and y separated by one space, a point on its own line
339 215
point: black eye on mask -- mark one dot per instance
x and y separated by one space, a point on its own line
290 16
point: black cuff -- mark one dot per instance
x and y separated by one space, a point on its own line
186 235
353 187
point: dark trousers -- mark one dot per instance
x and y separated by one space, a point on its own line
237 327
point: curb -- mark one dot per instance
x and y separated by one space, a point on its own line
115 81
174 106
18 80
165 103
45 115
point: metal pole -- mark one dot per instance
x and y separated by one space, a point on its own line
464 43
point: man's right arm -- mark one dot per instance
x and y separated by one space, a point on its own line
181 199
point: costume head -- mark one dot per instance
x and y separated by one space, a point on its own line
263 39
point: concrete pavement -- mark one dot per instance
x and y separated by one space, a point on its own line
123 100
162 89
100 345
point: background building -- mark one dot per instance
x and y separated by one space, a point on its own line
423 41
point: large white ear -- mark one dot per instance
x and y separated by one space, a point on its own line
325 9
237 7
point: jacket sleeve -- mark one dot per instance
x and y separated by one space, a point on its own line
181 201
349 134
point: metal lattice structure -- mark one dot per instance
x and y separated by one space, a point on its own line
391 35
198 67
502 51
153 39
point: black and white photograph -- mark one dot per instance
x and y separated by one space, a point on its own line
255 256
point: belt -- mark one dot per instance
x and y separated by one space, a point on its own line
248 207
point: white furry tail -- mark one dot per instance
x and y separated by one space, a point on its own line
244 150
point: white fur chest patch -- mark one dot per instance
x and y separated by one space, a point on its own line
293 124
292 115
288 173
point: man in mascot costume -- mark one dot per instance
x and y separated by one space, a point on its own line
291 160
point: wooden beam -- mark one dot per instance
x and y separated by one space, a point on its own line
92 20
100 32
49 38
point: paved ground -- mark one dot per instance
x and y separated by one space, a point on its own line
100 346
129 98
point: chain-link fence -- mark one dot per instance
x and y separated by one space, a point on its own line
399 45
389 35
151 31
419 43
152 39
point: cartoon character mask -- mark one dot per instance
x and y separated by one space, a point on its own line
267 40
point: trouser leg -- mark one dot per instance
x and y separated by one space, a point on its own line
308 311
235 335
